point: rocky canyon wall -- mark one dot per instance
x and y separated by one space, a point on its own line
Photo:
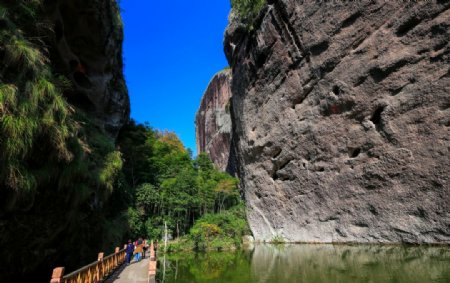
88 50
213 122
341 120
61 67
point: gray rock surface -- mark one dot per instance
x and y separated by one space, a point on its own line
88 49
341 120
213 122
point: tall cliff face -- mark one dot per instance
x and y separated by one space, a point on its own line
213 122
63 100
341 120
88 49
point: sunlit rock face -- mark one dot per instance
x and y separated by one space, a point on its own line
341 120
88 49
213 122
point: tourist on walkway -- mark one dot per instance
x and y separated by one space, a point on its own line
145 247
138 250
129 251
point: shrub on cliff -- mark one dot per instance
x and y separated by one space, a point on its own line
248 10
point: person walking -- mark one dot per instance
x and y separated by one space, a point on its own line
129 251
145 247
138 250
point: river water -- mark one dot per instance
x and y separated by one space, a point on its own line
310 264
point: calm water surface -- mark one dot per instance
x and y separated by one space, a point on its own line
310 264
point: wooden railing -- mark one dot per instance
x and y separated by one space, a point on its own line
152 265
91 273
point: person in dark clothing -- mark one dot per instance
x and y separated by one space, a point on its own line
129 251
145 247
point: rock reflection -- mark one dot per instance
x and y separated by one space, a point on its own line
344 263
311 264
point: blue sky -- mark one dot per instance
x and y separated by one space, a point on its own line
171 51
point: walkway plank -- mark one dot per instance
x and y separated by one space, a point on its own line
136 272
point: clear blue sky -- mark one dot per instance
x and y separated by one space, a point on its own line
171 51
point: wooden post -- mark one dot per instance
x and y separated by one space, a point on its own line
57 275
116 257
100 267
152 268
152 254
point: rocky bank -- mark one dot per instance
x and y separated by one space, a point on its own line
341 120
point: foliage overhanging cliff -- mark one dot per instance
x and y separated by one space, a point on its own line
58 158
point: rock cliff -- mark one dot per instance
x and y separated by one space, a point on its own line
341 120
88 49
213 122
63 101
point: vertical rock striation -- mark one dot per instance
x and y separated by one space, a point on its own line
88 49
341 120
213 122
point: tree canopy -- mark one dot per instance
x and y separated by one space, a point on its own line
169 185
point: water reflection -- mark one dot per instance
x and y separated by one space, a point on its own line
311 264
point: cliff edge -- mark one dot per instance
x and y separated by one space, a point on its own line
213 122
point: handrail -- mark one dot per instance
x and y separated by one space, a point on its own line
93 272
152 265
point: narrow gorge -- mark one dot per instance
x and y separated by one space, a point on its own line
329 124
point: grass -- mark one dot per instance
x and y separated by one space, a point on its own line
277 239
36 120
112 166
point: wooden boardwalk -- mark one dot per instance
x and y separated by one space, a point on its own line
136 272
113 268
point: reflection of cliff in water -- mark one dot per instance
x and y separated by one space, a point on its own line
310 264
344 263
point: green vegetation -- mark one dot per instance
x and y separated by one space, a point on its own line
60 173
215 231
278 239
68 190
248 10
225 266
31 105
200 205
